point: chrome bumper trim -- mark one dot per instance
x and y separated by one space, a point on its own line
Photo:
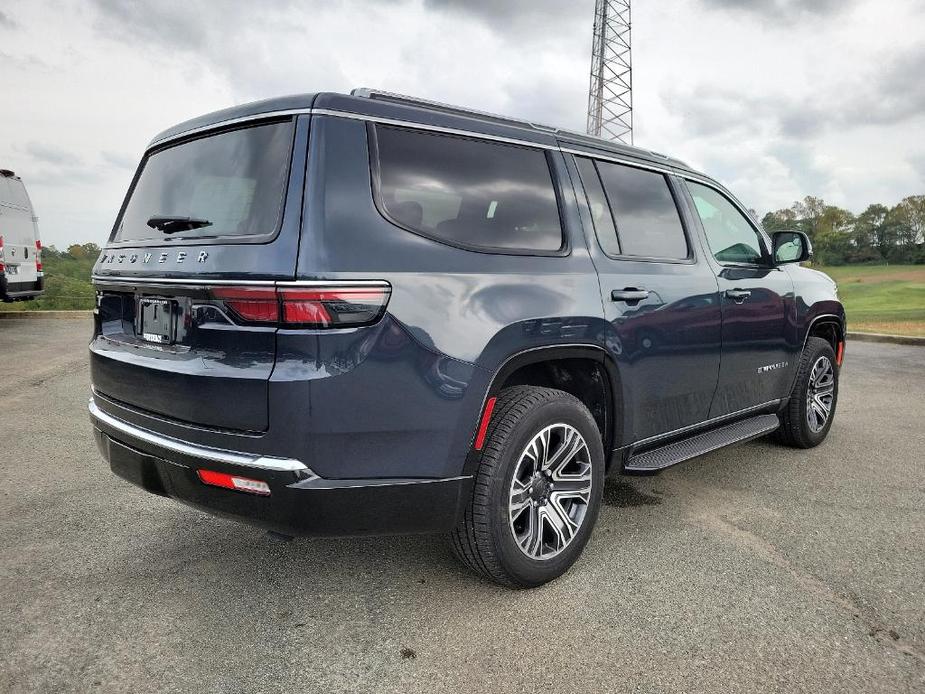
218 455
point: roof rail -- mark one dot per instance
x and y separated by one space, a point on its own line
382 95
592 140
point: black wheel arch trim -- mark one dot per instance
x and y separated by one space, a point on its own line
833 318
545 353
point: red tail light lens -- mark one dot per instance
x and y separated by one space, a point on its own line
38 255
307 307
256 304
333 307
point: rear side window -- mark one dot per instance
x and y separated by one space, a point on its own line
647 219
470 193
229 184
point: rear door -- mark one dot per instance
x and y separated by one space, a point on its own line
659 295
187 280
18 231
757 303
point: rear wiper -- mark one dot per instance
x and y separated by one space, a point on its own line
171 225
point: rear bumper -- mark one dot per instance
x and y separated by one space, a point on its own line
16 291
300 502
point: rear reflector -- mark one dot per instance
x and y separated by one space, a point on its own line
307 307
483 426
241 484
840 354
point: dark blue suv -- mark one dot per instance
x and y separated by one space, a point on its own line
334 315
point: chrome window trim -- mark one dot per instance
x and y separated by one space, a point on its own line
251 460
225 123
462 132
680 173
195 281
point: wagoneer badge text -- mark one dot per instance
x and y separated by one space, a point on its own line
147 257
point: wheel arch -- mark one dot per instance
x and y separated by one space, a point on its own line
583 370
828 326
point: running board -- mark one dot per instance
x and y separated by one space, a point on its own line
685 449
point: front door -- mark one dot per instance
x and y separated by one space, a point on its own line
758 358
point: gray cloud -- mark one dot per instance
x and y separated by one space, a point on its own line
7 22
888 93
521 14
120 161
49 154
787 11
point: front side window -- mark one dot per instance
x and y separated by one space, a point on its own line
732 239
647 219
229 184
470 193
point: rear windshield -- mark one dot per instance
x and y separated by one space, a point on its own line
230 184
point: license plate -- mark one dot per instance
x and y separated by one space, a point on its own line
155 320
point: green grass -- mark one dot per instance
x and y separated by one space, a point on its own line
67 284
882 298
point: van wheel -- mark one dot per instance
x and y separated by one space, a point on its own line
806 420
537 491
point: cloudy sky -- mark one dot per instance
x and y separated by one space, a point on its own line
777 98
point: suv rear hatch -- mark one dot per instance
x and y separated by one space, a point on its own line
210 225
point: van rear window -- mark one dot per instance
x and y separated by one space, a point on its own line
229 184
470 193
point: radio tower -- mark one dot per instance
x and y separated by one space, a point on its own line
610 98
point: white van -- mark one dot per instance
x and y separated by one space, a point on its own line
21 276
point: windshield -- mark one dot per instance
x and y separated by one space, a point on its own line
230 184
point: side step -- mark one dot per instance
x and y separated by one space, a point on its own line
685 449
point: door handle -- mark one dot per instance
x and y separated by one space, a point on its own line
738 295
629 294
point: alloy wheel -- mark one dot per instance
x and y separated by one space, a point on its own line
820 394
550 491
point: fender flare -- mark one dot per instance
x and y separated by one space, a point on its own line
536 355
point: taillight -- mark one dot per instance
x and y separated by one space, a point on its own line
255 304
333 307
307 307
38 255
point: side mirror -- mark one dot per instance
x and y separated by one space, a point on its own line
791 247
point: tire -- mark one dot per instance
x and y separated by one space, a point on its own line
494 537
800 421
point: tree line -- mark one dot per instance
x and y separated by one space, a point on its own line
879 234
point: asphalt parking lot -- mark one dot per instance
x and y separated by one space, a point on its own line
757 568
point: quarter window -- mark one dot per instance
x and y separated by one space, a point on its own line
732 239
647 219
466 192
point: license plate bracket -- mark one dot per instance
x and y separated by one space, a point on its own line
155 322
